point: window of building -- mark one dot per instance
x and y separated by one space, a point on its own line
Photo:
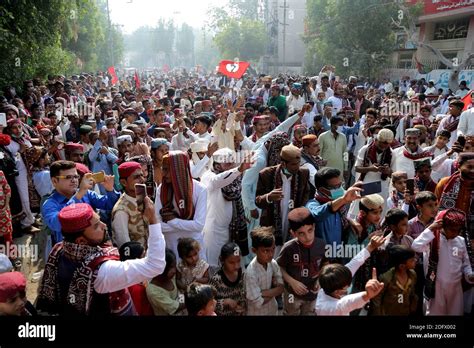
456 29
405 60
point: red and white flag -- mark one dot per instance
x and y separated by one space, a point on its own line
112 73
467 100
233 69
137 80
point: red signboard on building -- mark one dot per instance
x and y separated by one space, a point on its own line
437 6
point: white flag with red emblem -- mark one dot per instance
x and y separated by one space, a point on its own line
233 69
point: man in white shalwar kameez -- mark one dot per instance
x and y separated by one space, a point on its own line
216 228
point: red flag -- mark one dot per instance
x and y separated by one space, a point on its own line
233 69
467 100
137 80
166 68
112 73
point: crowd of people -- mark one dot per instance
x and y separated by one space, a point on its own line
181 193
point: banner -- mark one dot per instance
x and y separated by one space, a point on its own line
233 69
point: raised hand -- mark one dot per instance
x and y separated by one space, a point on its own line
375 242
276 195
373 286
108 183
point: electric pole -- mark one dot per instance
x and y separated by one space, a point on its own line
284 35
111 41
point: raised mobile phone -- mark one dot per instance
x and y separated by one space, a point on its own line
411 186
371 188
98 177
3 119
140 194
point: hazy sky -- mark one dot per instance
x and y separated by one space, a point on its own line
133 14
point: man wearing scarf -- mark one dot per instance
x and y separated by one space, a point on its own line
406 155
83 274
280 189
310 159
375 163
226 219
181 202
451 121
457 190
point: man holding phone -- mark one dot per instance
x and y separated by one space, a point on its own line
374 163
67 191
405 156
128 223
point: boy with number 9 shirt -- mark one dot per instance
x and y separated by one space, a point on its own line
300 261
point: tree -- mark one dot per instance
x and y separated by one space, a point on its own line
239 32
53 37
338 33
185 45
163 38
244 39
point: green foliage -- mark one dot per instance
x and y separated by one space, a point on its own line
238 30
355 36
53 37
244 39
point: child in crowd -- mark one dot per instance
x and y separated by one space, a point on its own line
13 300
200 300
191 268
130 251
229 282
263 279
445 260
423 179
400 197
300 261
370 215
427 206
162 291
335 280
398 295
396 221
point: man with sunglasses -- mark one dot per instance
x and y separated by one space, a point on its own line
67 191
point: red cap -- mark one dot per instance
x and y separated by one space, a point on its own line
164 125
259 118
76 217
71 147
127 168
5 139
309 139
10 284
82 169
453 216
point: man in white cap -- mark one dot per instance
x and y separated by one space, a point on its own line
202 152
404 156
225 221
375 163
